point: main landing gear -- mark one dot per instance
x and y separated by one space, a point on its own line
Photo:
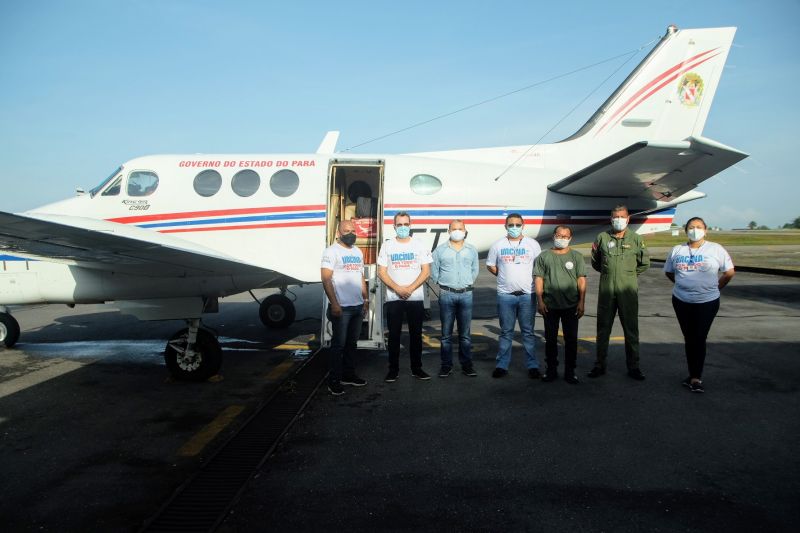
9 330
277 311
193 353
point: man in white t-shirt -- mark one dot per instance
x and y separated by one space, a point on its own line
403 266
342 274
511 259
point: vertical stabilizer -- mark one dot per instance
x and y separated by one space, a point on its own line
668 96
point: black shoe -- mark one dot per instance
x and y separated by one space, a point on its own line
391 377
572 379
636 374
697 387
354 381
468 371
687 382
420 374
445 371
596 372
534 373
499 372
336 388
550 375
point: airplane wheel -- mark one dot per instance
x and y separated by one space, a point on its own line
9 330
201 365
277 311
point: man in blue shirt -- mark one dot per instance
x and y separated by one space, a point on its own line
455 267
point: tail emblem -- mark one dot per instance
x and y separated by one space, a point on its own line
690 89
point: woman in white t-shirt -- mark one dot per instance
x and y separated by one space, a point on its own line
694 268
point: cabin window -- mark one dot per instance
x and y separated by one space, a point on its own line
284 182
114 188
142 183
425 184
246 182
207 183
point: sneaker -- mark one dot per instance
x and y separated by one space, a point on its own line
391 377
420 374
572 379
354 381
468 371
445 371
534 373
499 372
687 382
336 388
596 372
636 374
697 387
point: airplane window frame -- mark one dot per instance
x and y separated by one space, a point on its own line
208 171
147 191
114 188
244 193
282 189
425 184
93 192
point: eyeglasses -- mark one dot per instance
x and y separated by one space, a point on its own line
513 225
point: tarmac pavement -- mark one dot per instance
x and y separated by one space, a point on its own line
514 454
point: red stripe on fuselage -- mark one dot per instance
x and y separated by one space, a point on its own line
251 226
214 213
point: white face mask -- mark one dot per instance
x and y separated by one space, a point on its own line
696 234
561 243
619 223
457 235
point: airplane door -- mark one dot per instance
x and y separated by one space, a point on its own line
355 192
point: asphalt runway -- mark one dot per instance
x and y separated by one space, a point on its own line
94 437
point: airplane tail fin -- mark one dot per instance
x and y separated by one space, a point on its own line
668 96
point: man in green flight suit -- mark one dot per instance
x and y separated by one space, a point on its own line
620 256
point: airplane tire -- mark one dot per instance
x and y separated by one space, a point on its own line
204 364
9 330
276 311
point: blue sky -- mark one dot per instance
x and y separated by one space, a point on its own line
86 85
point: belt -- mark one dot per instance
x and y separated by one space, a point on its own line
517 293
457 291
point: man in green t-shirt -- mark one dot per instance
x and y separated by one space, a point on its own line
561 293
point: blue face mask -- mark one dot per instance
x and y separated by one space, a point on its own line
402 231
514 232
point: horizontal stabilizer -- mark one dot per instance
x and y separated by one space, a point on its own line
106 245
653 170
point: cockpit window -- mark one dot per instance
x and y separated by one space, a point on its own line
142 183
103 183
114 188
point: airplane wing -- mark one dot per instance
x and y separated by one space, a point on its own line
654 170
103 245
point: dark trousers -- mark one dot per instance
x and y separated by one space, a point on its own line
345 330
627 303
695 321
414 312
569 325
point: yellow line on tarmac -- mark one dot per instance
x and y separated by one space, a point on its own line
279 371
201 439
291 346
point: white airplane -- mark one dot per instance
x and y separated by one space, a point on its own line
166 236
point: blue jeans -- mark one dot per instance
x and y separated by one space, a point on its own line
456 307
510 309
345 332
